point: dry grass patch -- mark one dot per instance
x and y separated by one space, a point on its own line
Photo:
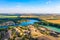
53 21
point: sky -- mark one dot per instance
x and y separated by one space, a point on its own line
29 6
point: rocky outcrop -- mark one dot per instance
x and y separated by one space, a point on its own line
9 23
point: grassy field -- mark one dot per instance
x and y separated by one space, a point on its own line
1 16
54 21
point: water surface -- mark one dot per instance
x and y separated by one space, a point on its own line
52 28
31 21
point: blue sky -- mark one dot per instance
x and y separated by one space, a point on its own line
29 6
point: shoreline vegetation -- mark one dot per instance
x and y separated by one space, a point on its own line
31 32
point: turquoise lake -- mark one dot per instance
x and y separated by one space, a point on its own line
52 28
31 21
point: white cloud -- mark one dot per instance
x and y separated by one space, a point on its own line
55 9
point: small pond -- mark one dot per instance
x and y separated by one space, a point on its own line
29 22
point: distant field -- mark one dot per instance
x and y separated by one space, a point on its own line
8 16
54 21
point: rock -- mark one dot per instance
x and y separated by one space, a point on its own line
9 23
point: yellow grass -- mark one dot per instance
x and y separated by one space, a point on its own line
53 21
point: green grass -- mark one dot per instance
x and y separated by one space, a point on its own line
8 16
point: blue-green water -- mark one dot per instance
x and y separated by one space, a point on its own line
31 21
52 28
